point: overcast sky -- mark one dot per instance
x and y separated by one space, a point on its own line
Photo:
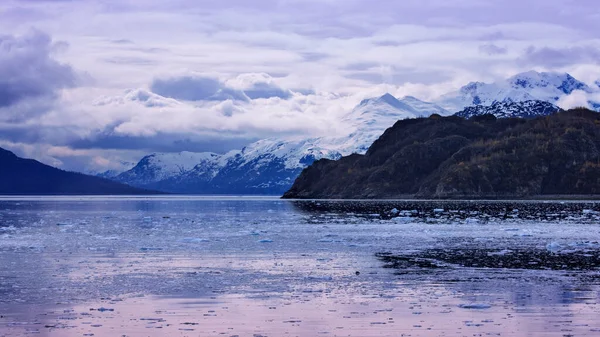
88 84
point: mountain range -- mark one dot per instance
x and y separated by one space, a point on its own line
528 86
19 176
270 166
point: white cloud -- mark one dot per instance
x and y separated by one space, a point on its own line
577 98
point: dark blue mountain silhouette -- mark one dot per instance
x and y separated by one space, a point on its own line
20 176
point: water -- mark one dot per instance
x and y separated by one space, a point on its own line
191 266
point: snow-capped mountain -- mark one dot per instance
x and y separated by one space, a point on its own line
111 174
263 167
373 116
526 109
108 174
270 166
423 108
159 166
528 86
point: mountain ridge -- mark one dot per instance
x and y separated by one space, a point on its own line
270 166
525 109
21 176
482 157
528 86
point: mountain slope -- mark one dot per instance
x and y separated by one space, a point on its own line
159 166
450 157
20 176
526 109
270 166
528 86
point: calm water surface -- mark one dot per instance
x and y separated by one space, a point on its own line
187 266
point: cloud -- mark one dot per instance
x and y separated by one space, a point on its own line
30 77
259 85
559 57
145 97
576 99
195 88
244 87
88 160
492 49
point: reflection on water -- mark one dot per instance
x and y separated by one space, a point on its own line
266 267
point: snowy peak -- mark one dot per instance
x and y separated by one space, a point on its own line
562 81
382 104
159 166
382 112
292 154
528 86
526 109
424 109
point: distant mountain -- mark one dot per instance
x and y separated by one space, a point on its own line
270 166
20 176
160 166
526 109
528 86
452 157
109 174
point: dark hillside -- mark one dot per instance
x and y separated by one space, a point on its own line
20 176
483 157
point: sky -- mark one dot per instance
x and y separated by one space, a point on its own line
91 85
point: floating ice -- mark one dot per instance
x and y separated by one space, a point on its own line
402 219
147 249
553 247
194 240
476 306
102 309
500 253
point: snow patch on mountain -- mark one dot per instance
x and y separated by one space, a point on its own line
160 166
423 108
528 86
526 109
373 116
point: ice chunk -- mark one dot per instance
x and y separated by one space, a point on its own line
553 247
194 240
500 253
476 306
102 309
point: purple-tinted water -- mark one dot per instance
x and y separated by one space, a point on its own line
187 266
